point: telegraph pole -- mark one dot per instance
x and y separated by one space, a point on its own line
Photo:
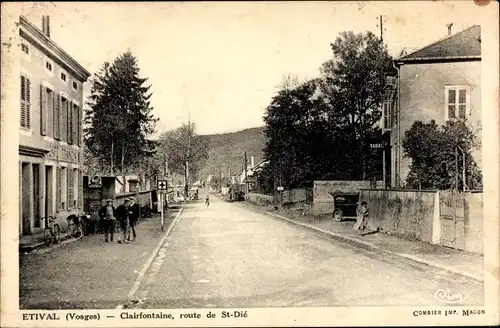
381 25
246 174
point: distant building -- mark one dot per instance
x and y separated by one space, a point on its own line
50 129
439 82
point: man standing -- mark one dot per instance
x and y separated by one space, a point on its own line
107 213
122 214
133 216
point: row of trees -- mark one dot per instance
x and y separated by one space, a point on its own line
321 128
119 123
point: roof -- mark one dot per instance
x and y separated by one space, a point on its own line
34 34
463 45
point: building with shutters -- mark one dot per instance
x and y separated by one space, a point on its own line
439 82
50 129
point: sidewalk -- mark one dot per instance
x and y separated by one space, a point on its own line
456 261
88 273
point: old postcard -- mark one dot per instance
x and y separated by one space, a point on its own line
171 164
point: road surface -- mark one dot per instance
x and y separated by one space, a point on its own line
229 256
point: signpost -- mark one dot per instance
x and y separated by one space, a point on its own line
162 188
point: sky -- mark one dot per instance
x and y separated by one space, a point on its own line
219 63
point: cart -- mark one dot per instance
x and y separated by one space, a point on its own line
345 205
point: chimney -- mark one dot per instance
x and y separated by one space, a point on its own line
46 25
252 162
449 28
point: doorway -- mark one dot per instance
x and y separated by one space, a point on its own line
49 173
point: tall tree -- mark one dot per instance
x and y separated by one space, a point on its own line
119 118
353 83
185 151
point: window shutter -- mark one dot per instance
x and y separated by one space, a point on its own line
28 103
57 118
50 113
43 111
61 110
23 102
79 125
70 122
75 124
64 123
58 189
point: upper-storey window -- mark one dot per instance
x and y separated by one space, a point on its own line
75 85
457 102
25 48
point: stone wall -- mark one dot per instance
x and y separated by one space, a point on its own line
409 214
260 199
474 233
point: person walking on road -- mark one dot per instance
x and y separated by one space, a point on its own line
207 201
122 214
133 216
108 213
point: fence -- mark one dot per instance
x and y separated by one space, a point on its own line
451 219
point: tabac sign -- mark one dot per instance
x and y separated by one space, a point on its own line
63 153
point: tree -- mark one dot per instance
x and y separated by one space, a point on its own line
119 118
185 151
353 83
432 151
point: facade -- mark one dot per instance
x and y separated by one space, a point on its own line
50 130
439 82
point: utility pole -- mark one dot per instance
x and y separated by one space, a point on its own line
246 174
381 25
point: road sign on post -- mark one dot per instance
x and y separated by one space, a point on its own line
162 185
281 188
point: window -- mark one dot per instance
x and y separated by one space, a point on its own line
457 102
63 77
48 65
25 102
25 48
75 85
387 114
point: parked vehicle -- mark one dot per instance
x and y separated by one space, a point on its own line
345 205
